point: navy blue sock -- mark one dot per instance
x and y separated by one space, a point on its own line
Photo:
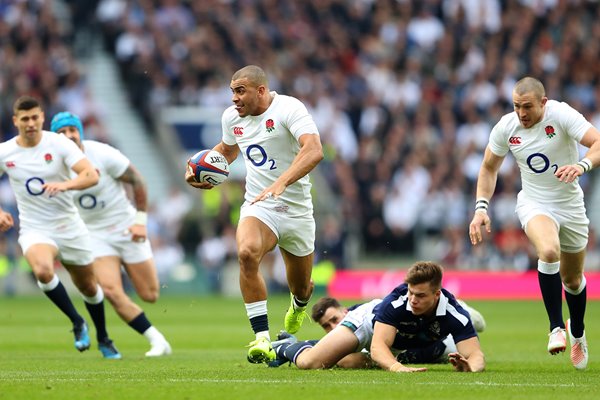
97 313
61 299
291 351
260 323
140 323
577 303
551 288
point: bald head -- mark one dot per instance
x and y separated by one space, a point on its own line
530 85
255 75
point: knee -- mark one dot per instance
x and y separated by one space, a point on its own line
573 283
113 294
249 259
149 295
44 275
43 272
308 363
549 253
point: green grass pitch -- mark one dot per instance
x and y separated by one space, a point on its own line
208 335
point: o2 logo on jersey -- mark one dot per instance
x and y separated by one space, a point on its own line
89 202
34 186
539 163
258 156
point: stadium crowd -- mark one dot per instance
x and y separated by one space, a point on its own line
404 93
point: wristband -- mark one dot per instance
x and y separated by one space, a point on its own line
586 164
482 205
141 218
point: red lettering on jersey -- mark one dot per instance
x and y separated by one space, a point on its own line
514 140
238 131
10 164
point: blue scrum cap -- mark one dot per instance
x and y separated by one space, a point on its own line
65 118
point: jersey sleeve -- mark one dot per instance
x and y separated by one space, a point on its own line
573 122
71 153
498 143
227 132
299 120
115 162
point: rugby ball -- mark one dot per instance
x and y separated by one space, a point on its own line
209 166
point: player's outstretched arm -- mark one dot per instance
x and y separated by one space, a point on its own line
86 176
383 338
469 357
486 184
591 140
133 177
310 154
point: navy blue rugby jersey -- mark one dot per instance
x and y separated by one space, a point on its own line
417 331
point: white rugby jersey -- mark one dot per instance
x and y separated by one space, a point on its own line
105 205
28 168
269 144
541 149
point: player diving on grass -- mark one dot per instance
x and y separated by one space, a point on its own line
419 322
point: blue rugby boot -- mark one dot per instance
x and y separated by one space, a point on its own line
108 350
82 337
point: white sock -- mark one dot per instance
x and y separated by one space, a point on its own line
97 298
153 335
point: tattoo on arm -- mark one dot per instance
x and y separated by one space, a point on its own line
140 193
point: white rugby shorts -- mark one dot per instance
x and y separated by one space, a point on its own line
360 322
119 244
295 234
74 246
571 221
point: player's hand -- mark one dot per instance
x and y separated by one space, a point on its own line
6 221
480 218
459 363
397 367
53 188
191 180
139 233
272 191
568 173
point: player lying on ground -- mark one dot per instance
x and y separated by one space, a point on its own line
418 322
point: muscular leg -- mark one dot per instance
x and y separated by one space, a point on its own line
571 272
254 240
83 277
108 272
543 234
145 281
41 260
298 270
336 345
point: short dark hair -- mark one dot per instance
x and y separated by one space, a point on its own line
425 271
530 85
253 73
318 310
25 103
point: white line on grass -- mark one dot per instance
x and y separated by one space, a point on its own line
284 381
